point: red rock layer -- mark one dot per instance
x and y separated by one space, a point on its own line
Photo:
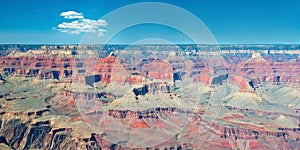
159 69
37 66
242 82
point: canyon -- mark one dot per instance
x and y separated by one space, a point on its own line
150 97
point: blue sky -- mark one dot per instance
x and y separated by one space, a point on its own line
230 21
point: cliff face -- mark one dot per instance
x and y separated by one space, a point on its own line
20 133
41 67
203 79
244 84
260 70
159 69
111 68
237 138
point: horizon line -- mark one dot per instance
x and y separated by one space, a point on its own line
57 44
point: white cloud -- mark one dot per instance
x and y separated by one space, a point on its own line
101 32
81 25
71 15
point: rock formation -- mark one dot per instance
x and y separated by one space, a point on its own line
88 99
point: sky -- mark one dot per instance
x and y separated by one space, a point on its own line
69 21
